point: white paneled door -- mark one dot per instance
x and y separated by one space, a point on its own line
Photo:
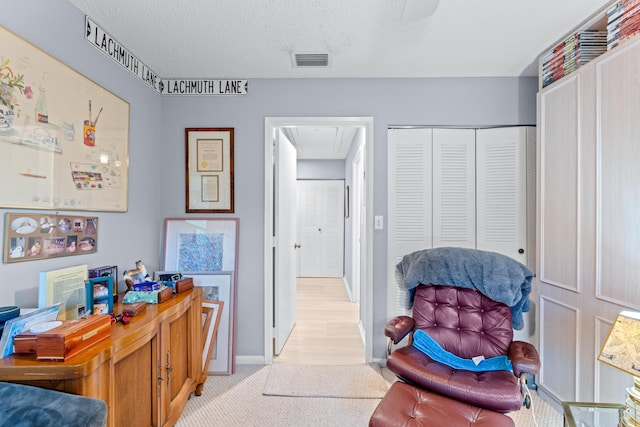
321 228
284 286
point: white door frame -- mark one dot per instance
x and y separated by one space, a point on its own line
356 201
271 123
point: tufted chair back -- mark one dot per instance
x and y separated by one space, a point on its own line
463 321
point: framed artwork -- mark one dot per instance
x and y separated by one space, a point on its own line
220 286
201 244
29 236
209 170
211 314
64 140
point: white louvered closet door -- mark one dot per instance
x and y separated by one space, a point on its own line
409 222
454 181
502 191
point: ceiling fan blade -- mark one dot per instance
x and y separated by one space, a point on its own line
418 9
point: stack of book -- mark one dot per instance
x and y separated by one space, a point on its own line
623 22
553 64
589 45
575 51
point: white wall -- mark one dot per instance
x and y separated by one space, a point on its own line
320 169
156 183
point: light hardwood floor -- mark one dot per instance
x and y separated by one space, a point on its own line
326 330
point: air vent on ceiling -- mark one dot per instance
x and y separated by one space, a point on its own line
310 59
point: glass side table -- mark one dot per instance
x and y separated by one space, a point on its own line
583 414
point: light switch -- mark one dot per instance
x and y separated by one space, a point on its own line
379 223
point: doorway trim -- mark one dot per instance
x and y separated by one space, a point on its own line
270 124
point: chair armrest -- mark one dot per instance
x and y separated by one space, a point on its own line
524 358
398 327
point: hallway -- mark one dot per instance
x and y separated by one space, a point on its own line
326 330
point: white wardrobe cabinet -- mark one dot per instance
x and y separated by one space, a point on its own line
588 222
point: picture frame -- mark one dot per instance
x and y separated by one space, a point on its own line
99 295
106 270
32 236
200 244
209 170
65 286
220 286
211 315
64 137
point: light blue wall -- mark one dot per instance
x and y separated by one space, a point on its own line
57 28
156 183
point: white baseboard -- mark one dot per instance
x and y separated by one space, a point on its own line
347 287
250 360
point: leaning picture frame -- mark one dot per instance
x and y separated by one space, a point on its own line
200 244
209 170
211 315
220 286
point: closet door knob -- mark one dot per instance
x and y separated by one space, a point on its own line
521 251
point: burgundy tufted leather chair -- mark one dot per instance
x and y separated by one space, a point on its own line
467 324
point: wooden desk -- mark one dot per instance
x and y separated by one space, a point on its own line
145 371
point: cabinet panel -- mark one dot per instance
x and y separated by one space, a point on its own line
410 204
558 335
179 361
618 204
135 390
501 155
558 186
610 383
454 181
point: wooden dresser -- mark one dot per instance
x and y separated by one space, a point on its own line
145 372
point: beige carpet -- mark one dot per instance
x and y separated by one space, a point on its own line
237 401
337 381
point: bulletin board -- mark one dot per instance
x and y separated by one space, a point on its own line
37 236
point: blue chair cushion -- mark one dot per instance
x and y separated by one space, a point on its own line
28 406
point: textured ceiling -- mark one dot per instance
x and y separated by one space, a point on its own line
243 39
365 38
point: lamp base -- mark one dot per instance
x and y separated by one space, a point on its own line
631 416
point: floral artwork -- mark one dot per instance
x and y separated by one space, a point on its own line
200 251
11 85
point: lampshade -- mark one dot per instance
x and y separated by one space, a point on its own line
622 350
622 347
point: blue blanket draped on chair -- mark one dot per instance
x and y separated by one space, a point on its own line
494 275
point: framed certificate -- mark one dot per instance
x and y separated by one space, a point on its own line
209 170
